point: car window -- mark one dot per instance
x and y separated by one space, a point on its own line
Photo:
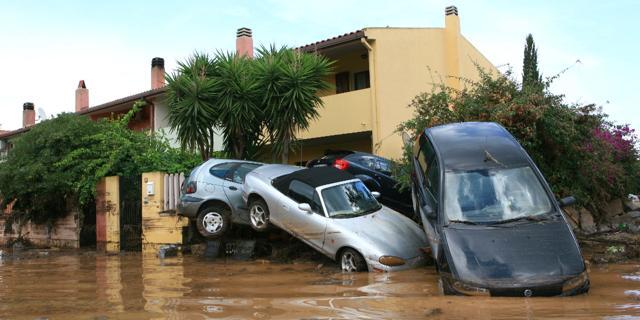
384 166
301 192
241 172
222 170
367 162
430 168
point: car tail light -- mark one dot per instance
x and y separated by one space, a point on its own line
341 164
191 187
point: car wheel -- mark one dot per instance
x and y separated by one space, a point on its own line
213 221
352 261
259 215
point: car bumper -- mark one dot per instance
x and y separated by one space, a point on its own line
375 265
188 206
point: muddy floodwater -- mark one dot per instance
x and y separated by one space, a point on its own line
133 286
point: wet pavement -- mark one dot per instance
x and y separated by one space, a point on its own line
133 286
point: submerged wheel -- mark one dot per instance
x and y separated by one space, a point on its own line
213 221
352 261
259 215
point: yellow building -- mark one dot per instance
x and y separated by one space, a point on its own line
378 72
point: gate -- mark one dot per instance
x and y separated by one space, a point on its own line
131 213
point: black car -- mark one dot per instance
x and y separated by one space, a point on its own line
493 224
374 171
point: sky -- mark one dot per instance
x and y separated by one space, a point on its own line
46 47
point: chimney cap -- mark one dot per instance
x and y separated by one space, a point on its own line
27 106
82 85
244 32
451 10
157 62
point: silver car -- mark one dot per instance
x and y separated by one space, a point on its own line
211 196
334 213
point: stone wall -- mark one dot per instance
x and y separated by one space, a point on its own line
65 233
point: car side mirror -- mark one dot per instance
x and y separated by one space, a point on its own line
429 212
568 201
305 207
375 194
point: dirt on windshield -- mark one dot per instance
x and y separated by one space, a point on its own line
86 285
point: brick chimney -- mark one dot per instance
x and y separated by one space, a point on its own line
244 42
82 97
157 73
28 115
452 47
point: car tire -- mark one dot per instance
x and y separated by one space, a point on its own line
213 221
259 215
352 261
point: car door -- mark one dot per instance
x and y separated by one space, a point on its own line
427 188
308 226
213 182
233 181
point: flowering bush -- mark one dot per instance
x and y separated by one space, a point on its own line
580 152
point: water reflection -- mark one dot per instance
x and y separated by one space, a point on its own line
142 287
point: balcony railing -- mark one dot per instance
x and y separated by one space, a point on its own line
342 113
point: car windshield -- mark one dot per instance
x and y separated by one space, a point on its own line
494 195
349 200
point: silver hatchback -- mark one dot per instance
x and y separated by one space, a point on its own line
211 197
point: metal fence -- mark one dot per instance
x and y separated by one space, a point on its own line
172 185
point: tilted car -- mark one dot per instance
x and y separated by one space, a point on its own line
376 173
211 196
334 213
492 221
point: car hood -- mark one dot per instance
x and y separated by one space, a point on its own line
511 255
389 232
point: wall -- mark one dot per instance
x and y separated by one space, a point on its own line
161 125
158 228
65 233
108 215
406 62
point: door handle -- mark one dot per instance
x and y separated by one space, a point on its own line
233 188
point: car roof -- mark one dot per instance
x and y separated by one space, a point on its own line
315 177
471 145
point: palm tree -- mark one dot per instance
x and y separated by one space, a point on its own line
240 116
192 98
289 82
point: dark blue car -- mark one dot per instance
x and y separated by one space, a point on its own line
493 224
376 173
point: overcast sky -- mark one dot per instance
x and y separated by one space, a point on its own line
46 47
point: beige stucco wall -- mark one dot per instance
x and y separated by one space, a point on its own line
158 228
406 62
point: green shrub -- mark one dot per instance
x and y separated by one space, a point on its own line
577 148
57 164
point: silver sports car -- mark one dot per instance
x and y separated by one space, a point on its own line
334 213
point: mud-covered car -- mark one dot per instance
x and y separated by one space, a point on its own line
336 214
493 223
211 196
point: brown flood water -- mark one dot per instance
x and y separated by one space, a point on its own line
133 286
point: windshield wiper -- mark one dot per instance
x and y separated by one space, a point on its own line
464 222
536 218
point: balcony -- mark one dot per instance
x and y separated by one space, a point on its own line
342 113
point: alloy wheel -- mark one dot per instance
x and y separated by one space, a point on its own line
213 222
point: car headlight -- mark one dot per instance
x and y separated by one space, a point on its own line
575 283
469 289
391 261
